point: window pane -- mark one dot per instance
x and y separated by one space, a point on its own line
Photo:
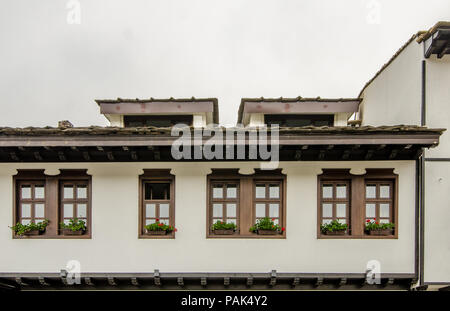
274 191
39 210
370 210
218 192
26 192
342 220
231 221
276 221
26 210
260 210
231 191
384 221
81 210
38 221
82 192
164 221
217 210
274 210
68 192
66 221
326 221
327 210
26 221
384 210
150 210
385 191
341 210
371 191
231 210
157 191
149 221
260 191
164 210
68 210
39 192
341 191
327 191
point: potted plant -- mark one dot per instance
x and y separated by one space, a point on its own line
223 228
74 227
158 228
31 228
266 226
373 227
334 228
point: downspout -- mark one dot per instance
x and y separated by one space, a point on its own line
422 183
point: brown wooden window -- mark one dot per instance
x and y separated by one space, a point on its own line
267 200
225 201
31 201
379 201
74 201
354 199
157 200
335 201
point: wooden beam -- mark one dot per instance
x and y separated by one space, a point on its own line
42 281
99 148
393 154
88 281
112 281
110 155
134 155
296 282
125 148
157 155
304 147
156 278
226 281
21 148
180 281
319 281
342 281
86 155
382 146
20 282
37 156
13 156
346 154
134 281
369 154
61 156
321 155
273 278
298 155
74 148
249 281
203 281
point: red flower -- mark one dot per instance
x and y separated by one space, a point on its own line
282 229
273 219
160 225
175 229
368 220
376 222
374 219
157 219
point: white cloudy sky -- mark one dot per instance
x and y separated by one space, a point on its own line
51 70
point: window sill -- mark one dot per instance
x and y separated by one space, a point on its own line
52 237
154 237
357 237
245 236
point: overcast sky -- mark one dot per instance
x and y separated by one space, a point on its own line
54 62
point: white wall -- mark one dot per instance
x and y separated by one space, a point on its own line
115 246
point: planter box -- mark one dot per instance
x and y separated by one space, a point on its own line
71 232
267 232
337 232
157 232
223 231
381 232
33 232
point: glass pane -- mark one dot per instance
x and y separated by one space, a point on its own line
231 210
341 210
341 191
82 192
149 221
274 191
327 210
260 191
38 221
229 221
68 210
68 192
39 210
273 210
385 191
26 210
85 221
327 191
342 220
66 221
260 210
384 221
370 210
218 192
275 221
150 210
157 191
217 210
39 192
326 221
164 221
164 210
81 210
26 192
26 221
371 191
384 210
231 191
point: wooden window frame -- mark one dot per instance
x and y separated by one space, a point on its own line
156 176
334 200
52 200
267 200
225 200
246 194
357 196
32 200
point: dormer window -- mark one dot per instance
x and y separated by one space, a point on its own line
298 120
157 121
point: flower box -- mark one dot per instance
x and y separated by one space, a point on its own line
267 232
33 232
223 231
380 232
156 232
71 232
335 232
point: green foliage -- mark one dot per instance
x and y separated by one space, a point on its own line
220 225
74 225
21 229
159 226
334 225
265 224
374 225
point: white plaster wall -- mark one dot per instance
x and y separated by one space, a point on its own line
394 97
115 246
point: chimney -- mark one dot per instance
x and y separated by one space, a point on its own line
64 124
